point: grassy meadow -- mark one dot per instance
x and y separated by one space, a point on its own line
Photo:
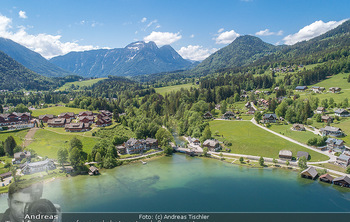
18 135
89 82
300 136
246 138
56 110
168 89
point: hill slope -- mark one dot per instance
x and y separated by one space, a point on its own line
138 58
30 59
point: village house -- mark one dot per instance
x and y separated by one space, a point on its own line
212 145
326 178
136 146
341 113
87 119
18 157
309 173
104 121
327 119
343 181
298 127
285 154
343 160
77 127
104 113
301 88
335 89
45 118
86 113
121 149
217 106
207 115
320 110
193 140
58 122
331 131
336 145
317 89
68 115
93 171
14 118
251 110
263 102
269 118
302 154
30 168
228 115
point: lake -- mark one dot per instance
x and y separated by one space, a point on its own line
190 184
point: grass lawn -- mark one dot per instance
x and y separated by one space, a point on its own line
246 138
55 110
89 82
300 136
168 89
344 125
331 166
18 135
339 80
46 143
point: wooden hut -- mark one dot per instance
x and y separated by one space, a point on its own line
285 154
301 154
309 173
326 178
93 171
343 181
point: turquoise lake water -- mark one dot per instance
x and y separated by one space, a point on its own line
186 184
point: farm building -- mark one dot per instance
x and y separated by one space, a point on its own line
309 173
285 154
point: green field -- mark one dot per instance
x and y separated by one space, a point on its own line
344 125
18 135
246 138
339 80
55 110
46 143
168 89
300 136
89 82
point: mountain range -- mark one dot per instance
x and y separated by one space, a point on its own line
137 58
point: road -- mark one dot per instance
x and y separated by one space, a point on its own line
332 158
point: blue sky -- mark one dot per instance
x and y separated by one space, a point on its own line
194 28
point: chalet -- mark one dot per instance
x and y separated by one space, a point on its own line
151 143
18 157
285 154
87 119
212 145
251 110
121 149
58 122
77 127
309 173
320 110
335 144
104 121
326 178
298 127
104 113
302 154
228 115
136 146
343 160
207 115
269 118
14 118
327 119
317 89
69 115
217 106
335 89
45 118
331 131
193 140
343 181
93 171
30 168
86 113
24 117
341 113
301 88
263 102
3 119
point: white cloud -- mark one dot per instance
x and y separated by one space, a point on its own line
267 32
226 37
310 31
22 14
151 23
163 38
44 44
192 36
195 52
144 19
221 30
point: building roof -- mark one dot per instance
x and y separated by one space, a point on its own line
268 115
301 87
285 153
50 116
40 163
7 174
302 153
93 169
310 171
327 176
334 141
57 121
345 178
343 157
76 126
301 126
207 114
340 111
229 113
320 109
331 129
211 143
326 117
151 140
89 113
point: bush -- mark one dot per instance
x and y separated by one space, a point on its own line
348 170
241 159
312 141
261 161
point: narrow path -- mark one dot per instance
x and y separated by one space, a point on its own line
332 157
28 139
138 157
